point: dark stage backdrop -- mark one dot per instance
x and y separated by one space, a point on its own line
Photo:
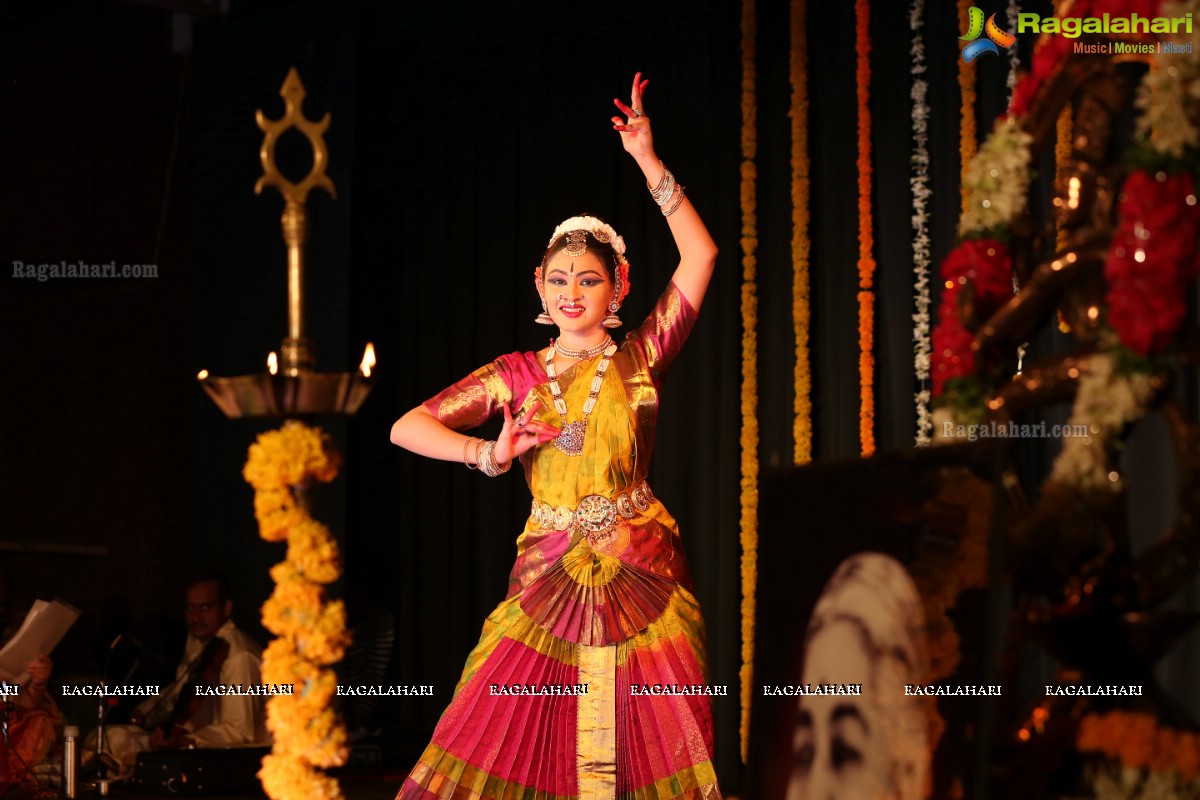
462 133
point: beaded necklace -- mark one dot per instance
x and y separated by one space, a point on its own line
570 441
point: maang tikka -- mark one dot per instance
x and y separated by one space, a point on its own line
576 244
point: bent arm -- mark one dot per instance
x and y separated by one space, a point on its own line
697 250
420 432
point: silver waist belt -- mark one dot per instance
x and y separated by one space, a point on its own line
596 515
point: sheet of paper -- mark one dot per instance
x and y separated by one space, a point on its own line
42 630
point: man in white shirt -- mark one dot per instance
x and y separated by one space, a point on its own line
226 720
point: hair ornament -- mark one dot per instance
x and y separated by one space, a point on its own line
598 228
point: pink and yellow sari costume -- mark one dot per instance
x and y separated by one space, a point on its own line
611 611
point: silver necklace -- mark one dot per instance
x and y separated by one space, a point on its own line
570 440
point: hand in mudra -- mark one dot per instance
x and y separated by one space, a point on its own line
519 435
635 131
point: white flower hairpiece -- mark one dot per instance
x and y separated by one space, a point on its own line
602 231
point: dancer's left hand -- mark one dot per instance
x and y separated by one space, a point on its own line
635 130
518 436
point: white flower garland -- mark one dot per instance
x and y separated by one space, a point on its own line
600 229
997 181
1106 401
996 187
1169 95
919 184
1014 60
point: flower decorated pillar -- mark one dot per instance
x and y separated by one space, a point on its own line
283 466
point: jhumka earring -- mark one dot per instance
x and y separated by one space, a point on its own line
612 320
544 317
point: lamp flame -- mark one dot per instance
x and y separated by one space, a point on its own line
368 360
202 375
272 362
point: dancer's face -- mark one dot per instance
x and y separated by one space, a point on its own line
578 290
837 750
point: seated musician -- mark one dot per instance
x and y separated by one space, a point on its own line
33 721
216 653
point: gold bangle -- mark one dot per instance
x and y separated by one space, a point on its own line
467 444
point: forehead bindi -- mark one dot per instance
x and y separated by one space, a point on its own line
566 264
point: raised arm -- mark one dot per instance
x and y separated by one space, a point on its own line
697 250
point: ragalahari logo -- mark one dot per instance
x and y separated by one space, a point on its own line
975 28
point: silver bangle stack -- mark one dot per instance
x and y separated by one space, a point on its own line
487 461
467 444
668 194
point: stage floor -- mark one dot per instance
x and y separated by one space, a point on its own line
357 784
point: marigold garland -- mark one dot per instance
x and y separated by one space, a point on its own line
308 734
966 83
802 402
866 240
749 435
1063 131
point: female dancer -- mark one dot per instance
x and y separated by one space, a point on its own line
557 699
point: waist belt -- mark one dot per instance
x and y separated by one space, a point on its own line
596 515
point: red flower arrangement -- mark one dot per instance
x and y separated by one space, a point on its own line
982 268
1152 259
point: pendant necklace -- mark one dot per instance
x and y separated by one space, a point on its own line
570 441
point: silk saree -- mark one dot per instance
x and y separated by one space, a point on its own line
599 603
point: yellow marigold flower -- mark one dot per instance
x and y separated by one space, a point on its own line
314 552
281 663
307 732
277 525
294 605
325 641
288 778
288 456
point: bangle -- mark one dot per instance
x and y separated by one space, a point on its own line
487 461
668 211
666 186
478 444
467 444
662 179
